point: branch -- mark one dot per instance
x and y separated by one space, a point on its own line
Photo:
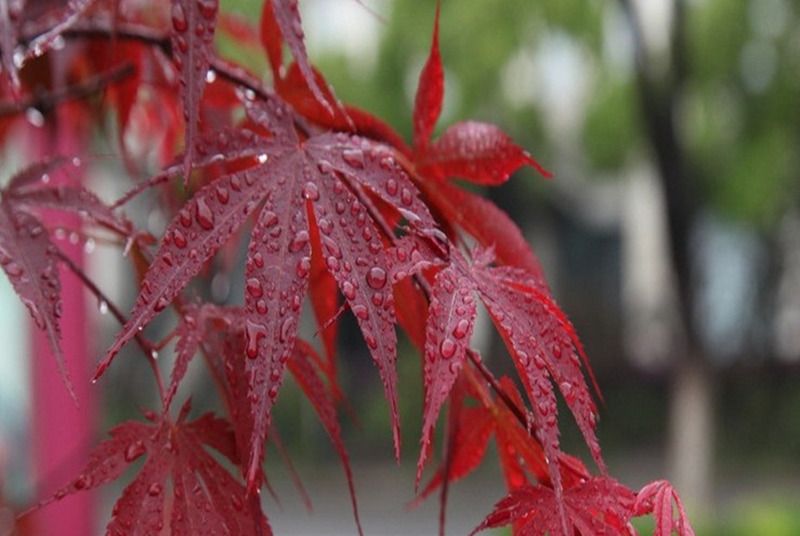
146 347
48 100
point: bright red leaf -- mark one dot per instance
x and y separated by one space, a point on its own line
478 152
598 506
657 499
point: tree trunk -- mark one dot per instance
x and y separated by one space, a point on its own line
691 433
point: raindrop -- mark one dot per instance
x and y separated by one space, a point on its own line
310 191
89 245
286 329
299 241
360 311
102 306
161 304
253 333
269 218
262 158
211 76
349 290
326 226
155 489
204 215
406 196
58 43
34 117
223 195
371 342
354 158
391 187
460 331
447 348
13 269
179 239
376 277
568 392
208 8
254 287
303 267
333 263
134 450
179 18
185 217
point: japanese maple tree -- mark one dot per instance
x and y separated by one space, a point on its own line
337 211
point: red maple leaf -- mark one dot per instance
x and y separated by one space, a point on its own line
205 498
657 498
28 256
600 505
328 179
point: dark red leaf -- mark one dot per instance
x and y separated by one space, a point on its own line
478 152
295 91
487 223
339 175
303 371
540 344
205 498
30 261
200 228
35 174
72 199
285 16
468 448
193 25
324 299
430 92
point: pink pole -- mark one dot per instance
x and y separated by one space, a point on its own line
62 433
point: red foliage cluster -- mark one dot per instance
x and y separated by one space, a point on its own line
336 208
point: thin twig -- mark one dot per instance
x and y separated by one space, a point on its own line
146 347
48 100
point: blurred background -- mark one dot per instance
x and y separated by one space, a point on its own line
670 235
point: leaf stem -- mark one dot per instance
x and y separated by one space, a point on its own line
145 345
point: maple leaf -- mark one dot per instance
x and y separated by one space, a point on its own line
28 256
599 505
205 498
477 152
471 150
302 368
29 259
193 24
657 498
304 363
540 339
280 22
326 178
16 17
